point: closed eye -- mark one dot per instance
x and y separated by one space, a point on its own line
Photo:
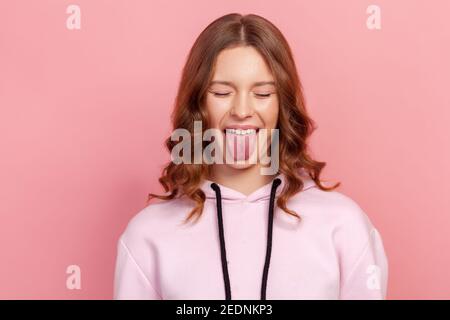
262 95
224 94
220 94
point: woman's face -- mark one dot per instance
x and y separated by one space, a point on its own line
242 95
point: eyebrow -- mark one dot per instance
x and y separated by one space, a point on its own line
255 84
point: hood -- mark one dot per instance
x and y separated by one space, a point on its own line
267 192
261 194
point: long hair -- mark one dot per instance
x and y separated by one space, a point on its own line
294 124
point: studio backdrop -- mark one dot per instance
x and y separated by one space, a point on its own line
86 93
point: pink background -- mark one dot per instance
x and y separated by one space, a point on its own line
84 114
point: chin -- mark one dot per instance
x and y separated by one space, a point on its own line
240 166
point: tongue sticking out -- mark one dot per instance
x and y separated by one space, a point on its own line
240 146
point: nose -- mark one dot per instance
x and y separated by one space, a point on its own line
242 108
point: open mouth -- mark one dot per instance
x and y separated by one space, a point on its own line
241 132
241 142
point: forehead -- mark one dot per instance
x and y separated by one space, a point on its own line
241 65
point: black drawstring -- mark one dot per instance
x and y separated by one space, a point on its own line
275 185
223 253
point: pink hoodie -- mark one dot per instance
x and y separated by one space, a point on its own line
334 252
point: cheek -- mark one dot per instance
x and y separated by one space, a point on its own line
216 110
268 110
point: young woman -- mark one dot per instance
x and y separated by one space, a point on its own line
228 231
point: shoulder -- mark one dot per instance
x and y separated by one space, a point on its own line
155 220
336 209
342 218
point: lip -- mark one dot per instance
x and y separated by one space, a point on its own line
242 127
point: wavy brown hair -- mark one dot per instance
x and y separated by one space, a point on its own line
294 124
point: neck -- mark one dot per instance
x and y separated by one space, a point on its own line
245 181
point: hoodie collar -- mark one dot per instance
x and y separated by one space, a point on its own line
261 194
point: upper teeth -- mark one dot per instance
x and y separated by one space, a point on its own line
240 131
